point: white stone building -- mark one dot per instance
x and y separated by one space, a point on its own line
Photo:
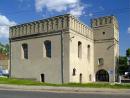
62 49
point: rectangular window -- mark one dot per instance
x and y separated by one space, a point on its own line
24 51
47 45
100 61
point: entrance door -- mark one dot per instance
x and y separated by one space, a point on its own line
42 78
102 75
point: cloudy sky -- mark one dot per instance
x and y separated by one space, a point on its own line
13 12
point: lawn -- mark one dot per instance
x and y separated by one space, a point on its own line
13 81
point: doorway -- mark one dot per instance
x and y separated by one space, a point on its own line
42 77
102 75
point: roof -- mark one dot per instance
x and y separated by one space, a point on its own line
3 56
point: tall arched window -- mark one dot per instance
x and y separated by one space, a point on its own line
74 72
79 49
47 45
88 50
25 51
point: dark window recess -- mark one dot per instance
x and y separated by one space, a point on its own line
74 72
103 33
88 50
100 61
79 49
48 48
25 51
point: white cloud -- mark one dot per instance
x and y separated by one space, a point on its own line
128 29
57 5
4 26
71 6
77 11
90 14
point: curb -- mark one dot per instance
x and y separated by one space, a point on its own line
64 89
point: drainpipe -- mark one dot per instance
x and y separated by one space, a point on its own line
62 73
9 58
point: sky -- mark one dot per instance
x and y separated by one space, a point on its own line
13 12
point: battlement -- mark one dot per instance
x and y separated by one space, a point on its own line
102 21
54 24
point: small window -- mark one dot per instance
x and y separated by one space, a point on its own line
88 46
79 49
100 61
25 51
47 45
74 72
103 33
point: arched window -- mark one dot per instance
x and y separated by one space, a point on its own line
47 45
25 51
74 72
88 50
79 49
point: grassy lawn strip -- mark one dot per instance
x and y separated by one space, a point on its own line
90 85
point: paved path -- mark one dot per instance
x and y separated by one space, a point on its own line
43 94
64 89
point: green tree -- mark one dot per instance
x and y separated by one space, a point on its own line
128 52
122 65
128 55
122 60
4 48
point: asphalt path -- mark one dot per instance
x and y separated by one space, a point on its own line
57 94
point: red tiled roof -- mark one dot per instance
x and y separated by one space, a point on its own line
3 56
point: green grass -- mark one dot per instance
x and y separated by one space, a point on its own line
13 81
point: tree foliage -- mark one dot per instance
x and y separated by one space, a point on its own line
128 52
122 65
4 48
122 60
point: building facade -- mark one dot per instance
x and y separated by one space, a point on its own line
4 63
62 49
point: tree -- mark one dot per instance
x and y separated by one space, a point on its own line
128 55
122 65
128 52
122 60
4 48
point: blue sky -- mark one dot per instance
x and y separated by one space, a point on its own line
14 12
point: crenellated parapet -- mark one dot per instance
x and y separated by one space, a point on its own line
42 26
102 21
80 27
54 24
